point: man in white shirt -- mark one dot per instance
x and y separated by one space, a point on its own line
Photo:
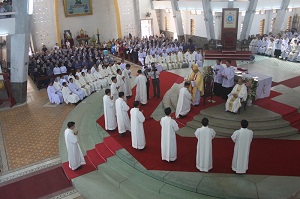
184 101
204 146
242 139
228 79
218 79
75 156
109 111
141 88
122 115
56 70
168 137
137 129
236 96
154 73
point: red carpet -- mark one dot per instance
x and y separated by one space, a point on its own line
36 186
292 83
88 167
95 157
277 107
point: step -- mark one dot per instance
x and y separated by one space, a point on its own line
273 133
112 144
295 118
94 186
103 151
94 157
176 193
265 125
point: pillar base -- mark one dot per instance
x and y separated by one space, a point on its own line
19 91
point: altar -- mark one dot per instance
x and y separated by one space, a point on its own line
264 83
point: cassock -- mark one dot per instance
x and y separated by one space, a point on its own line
127 75
109 113
184 102
168 139
137 129
197 86
75 156
114 91
204 148
122 116
233 104
141 89
242 139
53 96
68 96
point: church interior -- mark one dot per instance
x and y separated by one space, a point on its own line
44 44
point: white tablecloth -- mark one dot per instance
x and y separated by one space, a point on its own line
264 83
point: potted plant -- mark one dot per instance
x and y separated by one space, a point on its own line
252 85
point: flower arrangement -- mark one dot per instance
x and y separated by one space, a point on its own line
208 71
93 40
252 85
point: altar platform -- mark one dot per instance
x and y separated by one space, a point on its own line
238 55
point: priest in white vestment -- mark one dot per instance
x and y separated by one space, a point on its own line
168 137
75 89
91 79
114 89
68 96
120 81
75 156
127 75
83 88
236 96
204 146
137 129
109 111
141 88
122 114
54 96
242 139
184 101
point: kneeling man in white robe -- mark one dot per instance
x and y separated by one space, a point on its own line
122 115
168 137
68 96
237 95
75 156
242 139
184 101
109 111
204 146
137 128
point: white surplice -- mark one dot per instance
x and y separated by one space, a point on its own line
141 89
184 102
168 139
75 156
109 113
204 148
233 104
122 116
53 96
242 139
137 129
127 75
68 96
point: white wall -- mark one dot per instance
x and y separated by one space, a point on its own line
145 6
103 18
127 15
7 26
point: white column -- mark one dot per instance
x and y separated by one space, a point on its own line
248 19
280 17
208 18
177 19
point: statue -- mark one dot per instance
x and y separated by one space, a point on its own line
81 32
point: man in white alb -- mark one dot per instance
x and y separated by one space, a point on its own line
237 95
218 79
114 89
122 114
204 146
120 81
168 137
127 75
184 101
68 96
228 79
109 111
141 88
137 129
75 156
242 139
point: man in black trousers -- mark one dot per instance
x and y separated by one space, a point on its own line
155 80
146 73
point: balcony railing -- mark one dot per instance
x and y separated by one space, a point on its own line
4 15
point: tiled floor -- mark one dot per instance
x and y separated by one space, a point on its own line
31 132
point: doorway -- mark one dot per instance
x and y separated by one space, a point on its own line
146 26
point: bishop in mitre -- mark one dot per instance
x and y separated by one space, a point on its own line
75 156
197 85
237 95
